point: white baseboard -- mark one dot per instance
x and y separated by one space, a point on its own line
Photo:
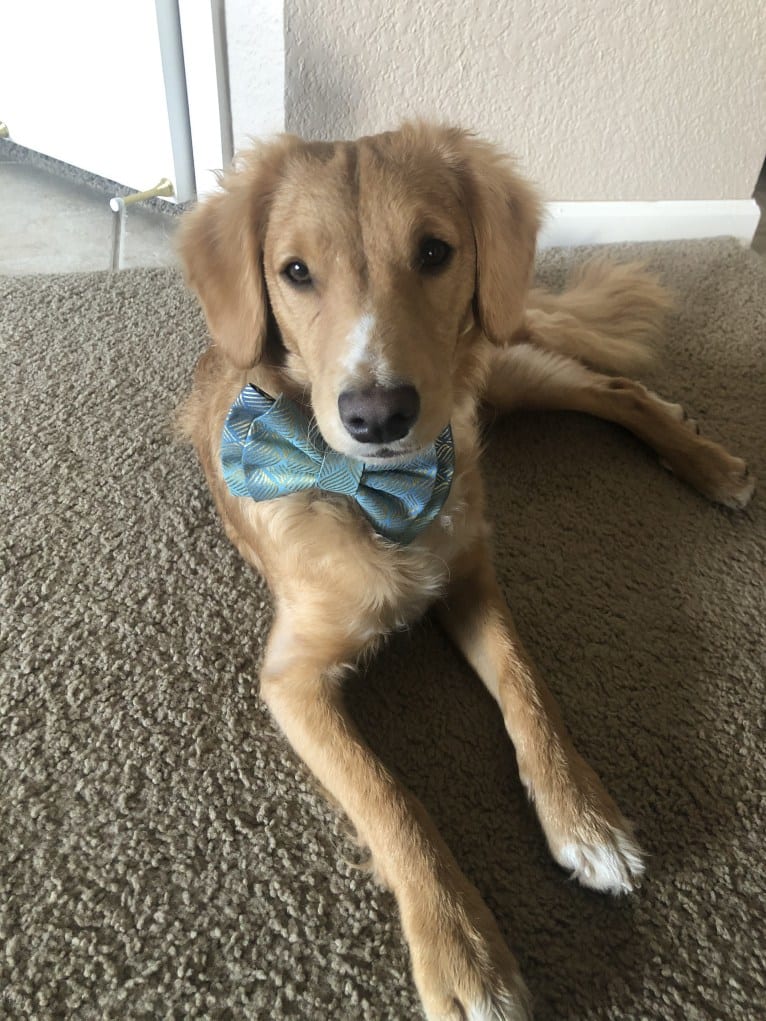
600 223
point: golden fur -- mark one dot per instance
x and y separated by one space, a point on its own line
355 213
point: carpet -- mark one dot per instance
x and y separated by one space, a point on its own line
162 852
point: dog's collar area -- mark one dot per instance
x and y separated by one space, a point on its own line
271 448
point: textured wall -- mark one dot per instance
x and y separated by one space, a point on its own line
254 37
600 99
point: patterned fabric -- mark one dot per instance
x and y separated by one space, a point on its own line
271 448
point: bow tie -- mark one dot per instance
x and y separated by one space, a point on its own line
271 447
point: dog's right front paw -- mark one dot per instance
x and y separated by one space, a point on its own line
462 967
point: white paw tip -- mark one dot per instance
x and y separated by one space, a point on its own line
503 1005
613 867
741 497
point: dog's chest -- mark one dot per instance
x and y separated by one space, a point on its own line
319 551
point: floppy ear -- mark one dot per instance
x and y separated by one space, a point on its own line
506 214
221 247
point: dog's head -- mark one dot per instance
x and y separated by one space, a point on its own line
362 268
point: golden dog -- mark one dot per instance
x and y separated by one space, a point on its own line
384 286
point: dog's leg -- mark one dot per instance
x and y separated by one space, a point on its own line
526 377
585 830
461 964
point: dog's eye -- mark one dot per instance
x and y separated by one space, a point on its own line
433 254
297 272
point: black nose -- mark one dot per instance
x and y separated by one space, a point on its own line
379 414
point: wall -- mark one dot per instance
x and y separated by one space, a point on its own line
255 43
599 99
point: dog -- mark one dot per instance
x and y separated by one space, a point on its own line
378 294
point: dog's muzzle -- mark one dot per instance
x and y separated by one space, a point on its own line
379 414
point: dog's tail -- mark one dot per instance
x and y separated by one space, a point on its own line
609 316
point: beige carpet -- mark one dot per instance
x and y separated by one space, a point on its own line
163 855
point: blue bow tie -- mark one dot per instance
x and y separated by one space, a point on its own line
272 448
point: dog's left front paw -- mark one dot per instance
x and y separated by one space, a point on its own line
738 486
714 472
612 864
586 832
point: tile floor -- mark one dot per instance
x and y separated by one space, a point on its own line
53 224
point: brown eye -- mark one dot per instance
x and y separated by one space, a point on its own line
297 272
433 255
